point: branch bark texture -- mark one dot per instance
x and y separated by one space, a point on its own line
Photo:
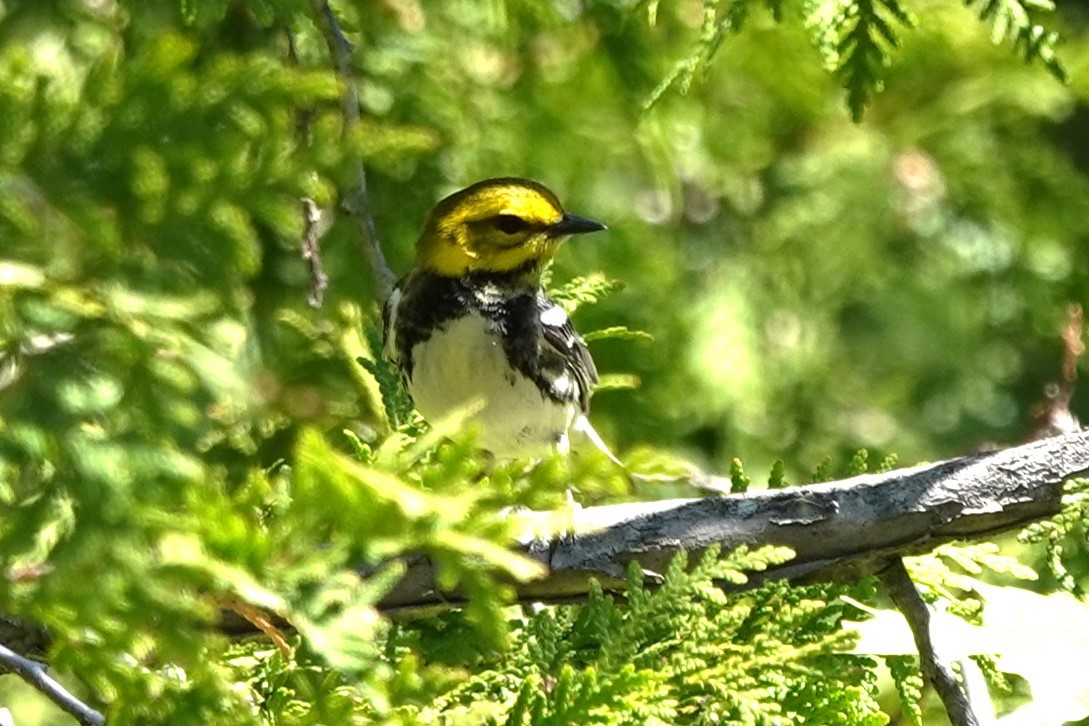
838 530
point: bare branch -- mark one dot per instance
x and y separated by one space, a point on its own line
356 200
839 530
35 674
940 674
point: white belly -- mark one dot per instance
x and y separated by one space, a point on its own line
463 365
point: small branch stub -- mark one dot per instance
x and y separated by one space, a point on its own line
311 252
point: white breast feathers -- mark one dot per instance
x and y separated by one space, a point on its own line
462 364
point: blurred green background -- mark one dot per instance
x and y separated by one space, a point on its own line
812 285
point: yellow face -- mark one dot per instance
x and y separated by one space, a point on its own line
497 225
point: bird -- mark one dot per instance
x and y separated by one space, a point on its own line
470 326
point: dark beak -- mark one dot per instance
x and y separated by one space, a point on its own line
571 224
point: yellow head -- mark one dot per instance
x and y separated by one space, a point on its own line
497 225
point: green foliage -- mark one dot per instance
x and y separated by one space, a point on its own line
1069 524
1011 21
585 290
777 475
856 39
395 400
859 464
949 573
739 483
591 289
909 685
996 679
719 20
666 655
823 472
888 463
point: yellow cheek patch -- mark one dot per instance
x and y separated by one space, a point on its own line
449 260
455 261
505 259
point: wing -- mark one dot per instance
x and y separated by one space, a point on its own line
539 341
576 382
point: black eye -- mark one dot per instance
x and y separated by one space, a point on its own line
510 224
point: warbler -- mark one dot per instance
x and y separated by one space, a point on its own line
471 325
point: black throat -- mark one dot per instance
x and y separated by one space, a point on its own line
430 301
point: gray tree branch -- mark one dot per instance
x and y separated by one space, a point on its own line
35 674
839 530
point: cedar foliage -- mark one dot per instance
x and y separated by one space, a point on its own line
180 431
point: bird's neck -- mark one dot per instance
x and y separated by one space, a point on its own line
524 277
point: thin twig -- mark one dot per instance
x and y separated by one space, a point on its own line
940 674
35 674
309 247
356 201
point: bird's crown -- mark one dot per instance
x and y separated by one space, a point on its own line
504 225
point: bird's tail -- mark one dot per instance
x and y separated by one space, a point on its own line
582 424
